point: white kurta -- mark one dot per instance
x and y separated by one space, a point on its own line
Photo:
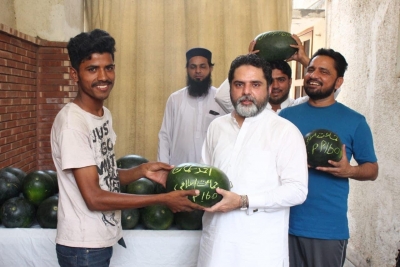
184 126
222 97
266 160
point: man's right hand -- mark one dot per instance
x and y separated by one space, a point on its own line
177 201
300 56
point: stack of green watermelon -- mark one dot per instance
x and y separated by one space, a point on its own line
22 195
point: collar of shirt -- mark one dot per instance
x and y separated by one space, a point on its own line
287 103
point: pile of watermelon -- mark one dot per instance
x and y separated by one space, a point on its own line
28 198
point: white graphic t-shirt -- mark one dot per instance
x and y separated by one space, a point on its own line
80 139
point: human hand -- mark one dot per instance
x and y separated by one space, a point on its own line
340 168
300 55
230 201
156 171
178 201
251 47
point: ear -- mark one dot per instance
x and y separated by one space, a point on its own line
290 82
73 73
339 82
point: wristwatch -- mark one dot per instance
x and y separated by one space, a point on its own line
245 202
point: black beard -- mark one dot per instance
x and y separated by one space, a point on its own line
317 95
198 88
279 100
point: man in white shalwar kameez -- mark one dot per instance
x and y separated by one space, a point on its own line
188 112
265 159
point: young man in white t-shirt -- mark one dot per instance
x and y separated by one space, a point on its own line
82 143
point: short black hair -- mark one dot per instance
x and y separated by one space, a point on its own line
340 61
282 66
252 60
82 46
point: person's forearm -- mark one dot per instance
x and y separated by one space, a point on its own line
127 176
364 172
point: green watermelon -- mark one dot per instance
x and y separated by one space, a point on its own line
322 145
17 212
157 217
53 175
159 188
46 214
205 178
130 218
130 161
142 186
38 186
189 220
275 45
10 186
17 172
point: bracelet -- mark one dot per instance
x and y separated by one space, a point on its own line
244 202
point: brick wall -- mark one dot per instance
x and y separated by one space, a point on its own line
34 86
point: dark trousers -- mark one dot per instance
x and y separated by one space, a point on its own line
311 252
83 257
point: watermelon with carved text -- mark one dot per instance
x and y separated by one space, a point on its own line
322 145
203 177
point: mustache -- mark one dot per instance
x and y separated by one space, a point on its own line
246 97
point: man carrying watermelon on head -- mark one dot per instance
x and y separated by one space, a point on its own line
319 229
265 160
82 143
189 111
281 81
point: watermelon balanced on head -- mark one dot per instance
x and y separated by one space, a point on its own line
10 186
203 177
129 218
17 212
191 220
275 45
16 171
46 214
38 186
322 145
157 217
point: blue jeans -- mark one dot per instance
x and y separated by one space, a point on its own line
80 257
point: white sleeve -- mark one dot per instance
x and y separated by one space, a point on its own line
223 98
165 134
292 168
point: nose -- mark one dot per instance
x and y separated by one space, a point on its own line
198 70
247 89
275 83
102 75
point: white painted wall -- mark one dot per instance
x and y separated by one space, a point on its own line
366 33
52 20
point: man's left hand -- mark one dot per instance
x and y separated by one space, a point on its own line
230 201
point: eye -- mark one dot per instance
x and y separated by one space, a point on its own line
110 68
92 69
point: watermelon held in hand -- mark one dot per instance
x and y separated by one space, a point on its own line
157 217
17 212
38 186
322 145
191 220
275 45
203 177
46 214
130 218
10 186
